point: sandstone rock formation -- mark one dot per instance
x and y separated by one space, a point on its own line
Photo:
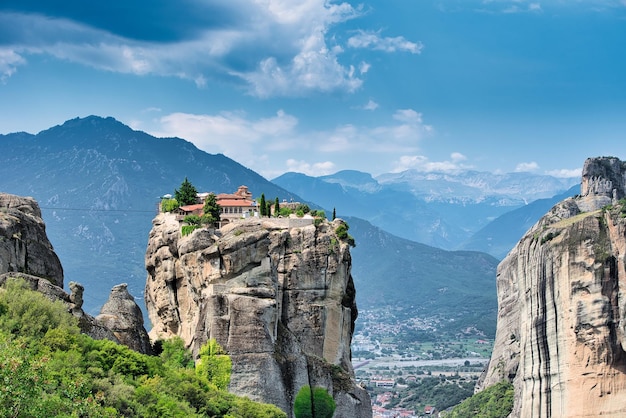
123 317
561 331
26 253
24 245
280 300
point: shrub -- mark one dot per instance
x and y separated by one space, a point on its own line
342 233
214 364
169 205
323 404
188 229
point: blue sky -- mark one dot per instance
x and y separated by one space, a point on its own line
320 86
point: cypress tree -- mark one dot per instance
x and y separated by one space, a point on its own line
276 208
263 209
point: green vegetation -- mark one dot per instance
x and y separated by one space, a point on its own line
169 205
494 402
441 392
211 210
318 404
214 364
48 369
276 207
262 206
187 194
285 211
342 234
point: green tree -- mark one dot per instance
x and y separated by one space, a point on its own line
285 211
334 214
211 210
276 207
168 205
342 234
318 404
214 364
187 194
263 206
494 402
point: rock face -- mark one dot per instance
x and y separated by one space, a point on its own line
26 253
24 245
561 331
280 300
123 317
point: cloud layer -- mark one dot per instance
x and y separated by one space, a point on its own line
271 47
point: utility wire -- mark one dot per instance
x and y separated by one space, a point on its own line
99 210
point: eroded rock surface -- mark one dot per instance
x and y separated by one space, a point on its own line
24 245
279 300
562 308
26 254
123 317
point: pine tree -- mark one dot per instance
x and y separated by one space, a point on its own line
334 214
276 208
187 194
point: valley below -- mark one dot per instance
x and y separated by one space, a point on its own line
410 362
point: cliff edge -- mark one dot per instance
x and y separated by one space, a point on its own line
27 254
561 330
279 299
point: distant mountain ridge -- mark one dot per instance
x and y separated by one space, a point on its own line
98 183
443 210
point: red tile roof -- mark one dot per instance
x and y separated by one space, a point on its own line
191 208
235 203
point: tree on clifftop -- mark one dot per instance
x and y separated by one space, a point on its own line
263 208
187 193
211 210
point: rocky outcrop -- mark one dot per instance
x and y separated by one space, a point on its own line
123 317
26 254
24 245
280 300
561 331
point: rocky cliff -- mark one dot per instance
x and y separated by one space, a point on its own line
26 254
562 305
279 299
24 245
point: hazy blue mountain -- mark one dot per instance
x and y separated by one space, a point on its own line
501 235
98 183
392 271
439 209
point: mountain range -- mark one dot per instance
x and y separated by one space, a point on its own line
444 210
99 182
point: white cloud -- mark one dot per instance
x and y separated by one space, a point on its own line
373 40
457 157
370 105
566 173
364 67
283 43
9 61
314 169
422 163
265 144
526 167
